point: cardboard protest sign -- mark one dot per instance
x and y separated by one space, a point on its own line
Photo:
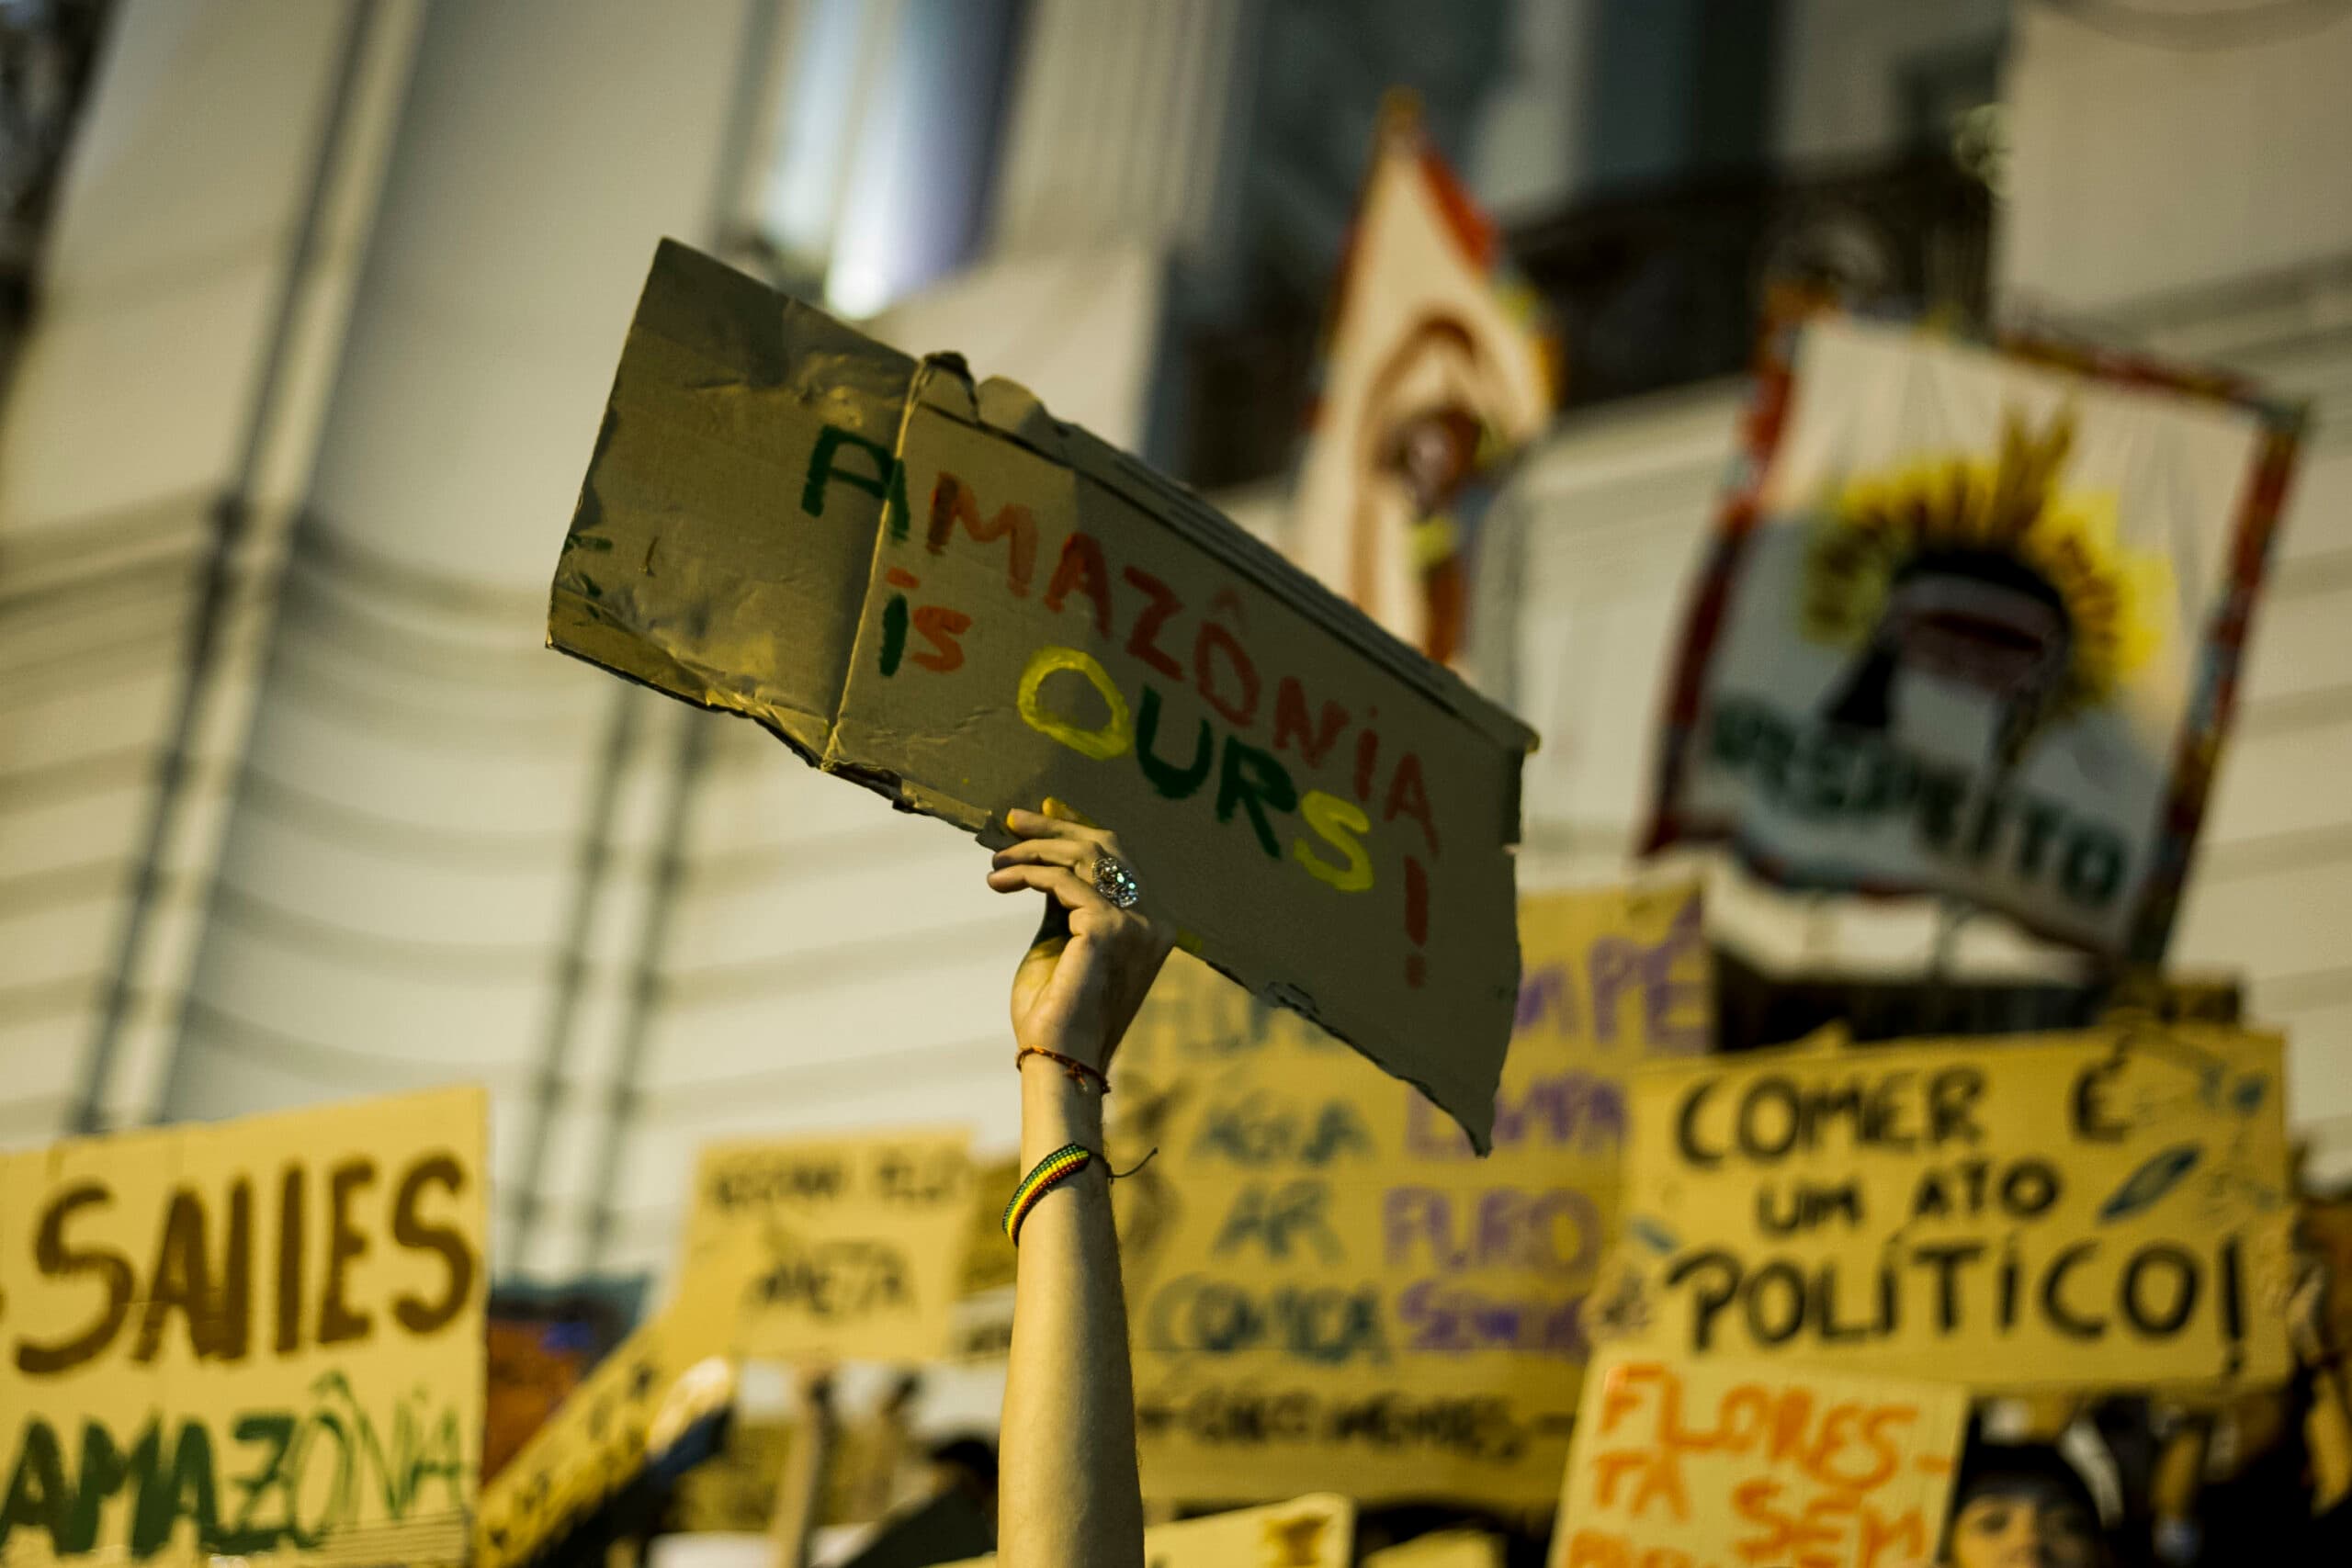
1307 1532
262 1335
1723 1463
2104 1209
983 1317
1972 624
841 1248
941 592
1325 1288
662 1385
988 1256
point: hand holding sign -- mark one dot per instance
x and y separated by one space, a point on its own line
1081 981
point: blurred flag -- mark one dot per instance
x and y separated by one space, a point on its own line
1972 622
1437 372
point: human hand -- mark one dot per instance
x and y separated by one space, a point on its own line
1083 978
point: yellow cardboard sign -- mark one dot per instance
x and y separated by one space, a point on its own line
263 1336
670 1373
982 1330
1725 1464
2109 1208
988 1256
847 1248
1307 1532
1327 1290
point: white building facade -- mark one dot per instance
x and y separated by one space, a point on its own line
383 839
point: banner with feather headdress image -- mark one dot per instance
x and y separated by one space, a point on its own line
1971 625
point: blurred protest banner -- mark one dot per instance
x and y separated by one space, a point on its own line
983 1317
2104 1209
1439 371
842 1248
1724 1462
1972 625
1326 1288
940 591
1307 1532
257 1337
650 1408
988 1256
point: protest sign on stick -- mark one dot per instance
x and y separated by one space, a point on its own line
841 1248
641 1408
1325 1289
939 591
258 1337
1724 1463
2109 1208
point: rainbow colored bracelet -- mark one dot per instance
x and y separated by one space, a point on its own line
1043 1177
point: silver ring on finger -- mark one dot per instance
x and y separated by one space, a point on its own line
1116 881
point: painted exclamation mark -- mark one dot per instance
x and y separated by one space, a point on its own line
2233 1309
1416 917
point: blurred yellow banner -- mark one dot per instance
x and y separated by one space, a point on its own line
1729 1462
844 1248
2063 1210
1327 1290
989 1256
260 1336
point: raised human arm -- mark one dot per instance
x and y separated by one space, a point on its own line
1067 1493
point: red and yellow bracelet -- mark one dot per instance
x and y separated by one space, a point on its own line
1043 1177
1077 1072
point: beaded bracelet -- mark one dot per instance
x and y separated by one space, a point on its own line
1046 1175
